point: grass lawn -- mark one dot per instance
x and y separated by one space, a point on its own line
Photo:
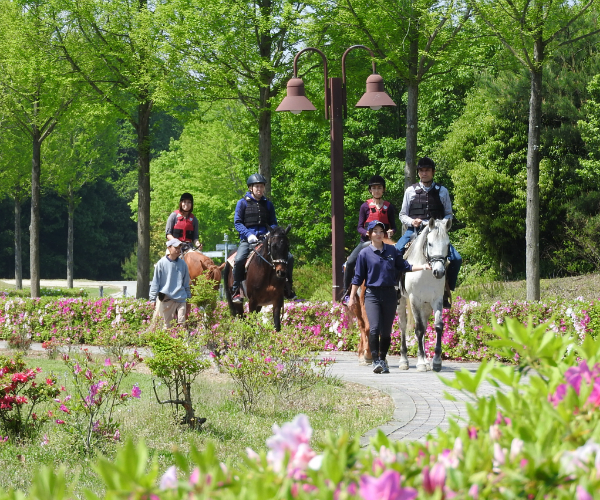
330 406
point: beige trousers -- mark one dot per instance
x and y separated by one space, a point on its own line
172 311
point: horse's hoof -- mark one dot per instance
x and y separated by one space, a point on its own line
421 368
403 366
364 362
437 367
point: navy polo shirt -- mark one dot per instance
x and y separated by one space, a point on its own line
379 268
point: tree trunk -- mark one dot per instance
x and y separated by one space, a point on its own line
264 138
18 248
34 228
532 233
412 114
70 259
143 225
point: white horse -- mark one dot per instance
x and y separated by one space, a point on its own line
425 291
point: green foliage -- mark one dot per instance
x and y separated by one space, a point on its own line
20 394
177 360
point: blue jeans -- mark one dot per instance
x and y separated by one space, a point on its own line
454 258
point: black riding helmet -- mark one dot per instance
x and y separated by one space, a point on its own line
426 162
256 179
186 196
377 179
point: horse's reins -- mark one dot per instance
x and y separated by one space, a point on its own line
273 261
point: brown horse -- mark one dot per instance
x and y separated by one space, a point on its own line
265 276
197 263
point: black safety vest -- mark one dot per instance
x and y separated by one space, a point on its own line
426 204
256 213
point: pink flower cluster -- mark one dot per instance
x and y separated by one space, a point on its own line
292 438
574 376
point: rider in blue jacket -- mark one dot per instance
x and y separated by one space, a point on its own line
254 217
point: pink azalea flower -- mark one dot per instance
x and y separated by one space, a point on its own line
169 479
195 476
474 492
499 455
582 493
136 392
77 369
289 438
385 487
434 478
107 362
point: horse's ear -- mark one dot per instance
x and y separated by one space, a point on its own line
287 229
431 223
448 224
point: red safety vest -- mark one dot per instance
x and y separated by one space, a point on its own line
183 229
378 214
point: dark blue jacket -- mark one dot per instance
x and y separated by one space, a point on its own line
377 268
238 219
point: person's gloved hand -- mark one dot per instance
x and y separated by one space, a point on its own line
252 238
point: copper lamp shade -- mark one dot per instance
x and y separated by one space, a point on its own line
375 97
296 100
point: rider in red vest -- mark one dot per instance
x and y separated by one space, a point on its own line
374 209
182 224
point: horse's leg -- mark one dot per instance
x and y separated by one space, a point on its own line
402 320
277 315
420 330
439 330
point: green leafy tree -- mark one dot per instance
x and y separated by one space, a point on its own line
15 182
121 56
242 51
212 169
36 89
80 152
532 31
419 39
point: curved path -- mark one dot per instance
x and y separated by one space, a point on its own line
421 407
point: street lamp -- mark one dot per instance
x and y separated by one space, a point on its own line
335 100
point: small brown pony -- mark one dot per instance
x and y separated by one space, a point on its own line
265 276
197 263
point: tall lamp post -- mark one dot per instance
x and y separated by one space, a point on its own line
335 110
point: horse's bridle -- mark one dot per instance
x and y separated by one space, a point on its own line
432 259
272 262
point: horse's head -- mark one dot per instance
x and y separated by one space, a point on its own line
279 247
437 246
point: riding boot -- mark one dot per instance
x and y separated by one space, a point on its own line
238 276
447 296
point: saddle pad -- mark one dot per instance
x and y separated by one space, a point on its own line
231 258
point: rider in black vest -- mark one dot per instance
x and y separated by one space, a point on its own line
421 202
254 217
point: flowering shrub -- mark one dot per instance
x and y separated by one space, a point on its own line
259 360
19 341
319 325
80 320
177 361
87 413
20 393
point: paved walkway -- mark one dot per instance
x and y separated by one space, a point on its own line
419 397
